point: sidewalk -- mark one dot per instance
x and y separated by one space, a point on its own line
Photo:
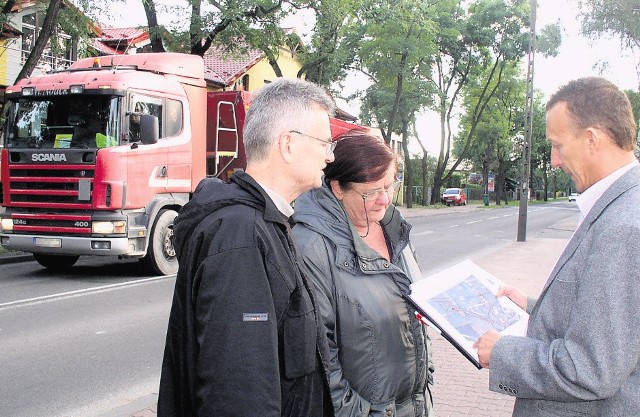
460 389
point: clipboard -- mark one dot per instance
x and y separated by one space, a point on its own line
460 304
473 359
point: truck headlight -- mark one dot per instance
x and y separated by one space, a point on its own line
108 228
6 225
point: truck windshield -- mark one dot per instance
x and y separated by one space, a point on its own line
85 122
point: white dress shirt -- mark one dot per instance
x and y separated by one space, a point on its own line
588 198
282 204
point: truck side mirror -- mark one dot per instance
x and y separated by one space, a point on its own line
149 129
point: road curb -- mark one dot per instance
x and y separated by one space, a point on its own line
12 258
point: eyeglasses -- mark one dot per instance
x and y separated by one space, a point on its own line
331 145
375 194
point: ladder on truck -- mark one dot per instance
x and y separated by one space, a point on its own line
232 154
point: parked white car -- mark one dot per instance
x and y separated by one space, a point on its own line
572 196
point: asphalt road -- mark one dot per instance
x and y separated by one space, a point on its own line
79 344
444 240
91 340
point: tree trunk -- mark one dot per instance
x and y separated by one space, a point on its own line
48 26
501 182
425 178
545 179
6 9
408 171
273 61
396 102
155 31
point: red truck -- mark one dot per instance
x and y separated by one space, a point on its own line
99 158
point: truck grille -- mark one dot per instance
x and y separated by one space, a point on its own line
51 197
51 186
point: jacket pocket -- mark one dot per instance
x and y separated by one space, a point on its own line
299 336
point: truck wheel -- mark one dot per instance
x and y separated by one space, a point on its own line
56 262
161 255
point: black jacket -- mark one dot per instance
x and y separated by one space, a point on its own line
242 334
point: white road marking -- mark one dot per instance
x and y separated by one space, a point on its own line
68 294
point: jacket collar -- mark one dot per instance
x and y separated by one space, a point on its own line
627 181
247 183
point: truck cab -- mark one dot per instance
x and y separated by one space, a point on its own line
99 158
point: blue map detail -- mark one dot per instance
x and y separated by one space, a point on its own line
473 309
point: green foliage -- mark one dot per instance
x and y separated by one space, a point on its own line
419 168
634 98
620 18
477 46
548 40
396 57
336 36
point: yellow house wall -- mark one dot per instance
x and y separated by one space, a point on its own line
10 51
4 56
262 71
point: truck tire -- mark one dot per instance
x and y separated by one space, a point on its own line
56 262
161 255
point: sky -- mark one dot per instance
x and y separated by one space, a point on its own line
578 57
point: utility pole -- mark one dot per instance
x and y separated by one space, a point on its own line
528 127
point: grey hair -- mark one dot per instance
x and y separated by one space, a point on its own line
278 107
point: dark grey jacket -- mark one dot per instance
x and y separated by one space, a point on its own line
242 334
379 353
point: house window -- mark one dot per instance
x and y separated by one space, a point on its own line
28 34
60 51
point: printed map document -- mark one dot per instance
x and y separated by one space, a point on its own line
460 302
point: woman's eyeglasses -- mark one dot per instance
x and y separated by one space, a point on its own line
375 194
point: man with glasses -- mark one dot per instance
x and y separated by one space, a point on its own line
356 247
242 337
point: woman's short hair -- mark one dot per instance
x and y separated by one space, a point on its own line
359 158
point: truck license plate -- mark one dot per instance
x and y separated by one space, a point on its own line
47 242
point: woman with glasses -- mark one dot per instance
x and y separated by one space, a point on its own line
356 247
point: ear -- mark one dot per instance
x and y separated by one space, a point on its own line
285 147
595 138
337 190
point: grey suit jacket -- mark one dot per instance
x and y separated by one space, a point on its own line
581 356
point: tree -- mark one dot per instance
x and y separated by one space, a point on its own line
231 25
634 98
426 163
478 42
394 58
335 38
494 144
48 27
155 31
620 18
477 45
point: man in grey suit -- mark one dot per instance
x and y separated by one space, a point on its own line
581 355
